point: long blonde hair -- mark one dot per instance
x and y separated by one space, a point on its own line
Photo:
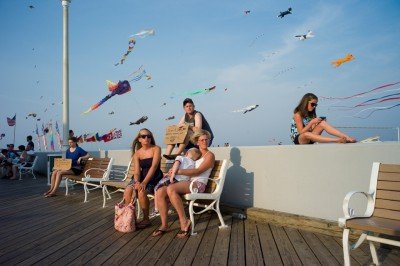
136 145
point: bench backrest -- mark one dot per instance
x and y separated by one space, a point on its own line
215 173
387 198
100 163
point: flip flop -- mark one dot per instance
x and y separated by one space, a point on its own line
143 225
50 195
158 232
185 233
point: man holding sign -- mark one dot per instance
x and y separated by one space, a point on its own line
192 121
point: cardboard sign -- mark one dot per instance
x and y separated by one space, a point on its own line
175 134
62 164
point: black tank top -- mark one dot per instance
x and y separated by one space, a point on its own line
145 165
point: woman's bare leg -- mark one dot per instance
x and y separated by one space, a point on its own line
14 172
57 179
144 204
175 191
323 125
162 204
169 149
306 137
128 192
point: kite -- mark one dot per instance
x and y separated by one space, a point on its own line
31 7
140 69
257 37
164 104
374 109
308 35
380 99
144 33
284 13
131 45
119 88
148 77
111 113
361 93
139 76
201 91
265 57
170 118
247 12
31 114
150 87
347 58
247 109
139 121
283 71
111 135
2 136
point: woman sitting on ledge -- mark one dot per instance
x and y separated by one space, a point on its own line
174 191
307 128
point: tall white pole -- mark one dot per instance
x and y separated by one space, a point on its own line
65 78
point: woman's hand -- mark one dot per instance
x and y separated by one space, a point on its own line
315 121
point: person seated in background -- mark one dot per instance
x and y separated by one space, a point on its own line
11 153
24 159
30 142
5 165
306 127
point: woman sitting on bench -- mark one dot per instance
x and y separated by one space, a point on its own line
174 191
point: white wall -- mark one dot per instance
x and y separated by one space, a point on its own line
309 180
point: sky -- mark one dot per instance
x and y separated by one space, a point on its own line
251 58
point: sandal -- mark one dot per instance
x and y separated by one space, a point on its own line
50 195
185 233
158 232
143 225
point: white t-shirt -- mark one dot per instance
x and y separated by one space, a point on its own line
186 163
203 177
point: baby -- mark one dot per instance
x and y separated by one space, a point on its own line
181 162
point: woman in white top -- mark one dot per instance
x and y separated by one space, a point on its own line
174 191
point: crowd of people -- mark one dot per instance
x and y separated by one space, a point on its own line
195 166
11 159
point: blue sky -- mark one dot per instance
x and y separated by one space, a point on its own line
198 44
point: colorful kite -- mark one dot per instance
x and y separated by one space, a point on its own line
144 33
246 109
379 100
201 91
139 76
308 35
284 13
362 93
131 45
347 58
111 135
119 88
139 121
374 109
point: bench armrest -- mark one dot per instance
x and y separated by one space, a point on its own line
349 213
193 190
125 173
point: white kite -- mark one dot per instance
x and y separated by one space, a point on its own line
144 33
308 35
246 109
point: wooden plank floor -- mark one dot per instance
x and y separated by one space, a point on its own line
65 231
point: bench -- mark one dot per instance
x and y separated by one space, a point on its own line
209 200
94 172
381 220
28 167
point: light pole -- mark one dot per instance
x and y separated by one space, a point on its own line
65 78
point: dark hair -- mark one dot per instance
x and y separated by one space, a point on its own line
302 106
187 100
74 139
29 138
4 151
21 147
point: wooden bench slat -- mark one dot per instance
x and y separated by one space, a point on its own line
384 176
387 185
387 204
393 168
389 214
389 195
376 225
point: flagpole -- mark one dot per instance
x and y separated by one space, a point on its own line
65 80
15 125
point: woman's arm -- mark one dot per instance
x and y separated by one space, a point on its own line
136 169
154 165
182 121
299 123
86 156
208 163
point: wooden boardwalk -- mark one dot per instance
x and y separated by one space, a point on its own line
65 231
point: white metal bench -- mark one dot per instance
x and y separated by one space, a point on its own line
382 216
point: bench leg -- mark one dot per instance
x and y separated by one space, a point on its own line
374 254
346 247
191 214
221 219
66 187
104 195
86 191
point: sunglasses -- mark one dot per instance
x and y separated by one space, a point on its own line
314 104
145 136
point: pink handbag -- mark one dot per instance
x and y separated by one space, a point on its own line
125 217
